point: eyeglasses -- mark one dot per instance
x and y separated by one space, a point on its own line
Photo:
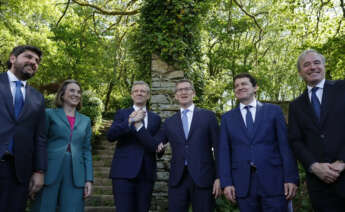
186 89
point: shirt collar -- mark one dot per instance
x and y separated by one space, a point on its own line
252 104
137 108
321 84
190 108
13 78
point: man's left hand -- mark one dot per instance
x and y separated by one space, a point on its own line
35 184
338 166
290 190
217 190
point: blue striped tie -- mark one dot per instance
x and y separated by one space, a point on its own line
18 105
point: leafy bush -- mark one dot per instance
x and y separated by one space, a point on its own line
93 108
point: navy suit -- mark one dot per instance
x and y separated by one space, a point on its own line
30 155
200 172
133 168
262 161
321 141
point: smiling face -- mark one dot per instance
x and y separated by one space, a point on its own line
25 65
184 94
140 94
72 95
312 69
244 90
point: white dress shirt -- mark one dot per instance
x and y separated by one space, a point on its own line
319 91
252 110
189 114
136 108
12 80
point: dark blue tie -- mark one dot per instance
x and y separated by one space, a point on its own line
185 123
315 102
18 105
249 121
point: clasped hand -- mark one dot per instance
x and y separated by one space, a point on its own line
328 172
137 117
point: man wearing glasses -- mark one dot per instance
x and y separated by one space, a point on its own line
193 135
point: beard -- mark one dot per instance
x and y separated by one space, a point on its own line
20 71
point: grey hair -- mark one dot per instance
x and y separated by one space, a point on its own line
305 53
141 83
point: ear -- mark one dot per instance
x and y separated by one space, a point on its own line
256 88
13 58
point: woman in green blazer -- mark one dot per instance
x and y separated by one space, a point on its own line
68 179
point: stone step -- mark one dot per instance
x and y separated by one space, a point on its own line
102 169
104 145
100 200
100 209
103 151
104 156
101 181
102 190
101 163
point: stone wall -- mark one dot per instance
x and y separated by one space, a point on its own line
164 77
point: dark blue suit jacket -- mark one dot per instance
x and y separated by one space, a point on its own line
324 141
28 131
197 149
268 149
130 153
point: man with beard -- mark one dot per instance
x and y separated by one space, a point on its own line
22 122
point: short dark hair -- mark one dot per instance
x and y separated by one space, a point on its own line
20 49
61 91
183 81
245 75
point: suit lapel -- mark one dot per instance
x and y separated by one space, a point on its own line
308 108
240 121
327 99
5 89
77 119
195 120
63 117
178 123
259 114
27 101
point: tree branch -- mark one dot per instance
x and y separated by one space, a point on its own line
342 7
64 12
104 11
248 14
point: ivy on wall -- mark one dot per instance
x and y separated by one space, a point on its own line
170 29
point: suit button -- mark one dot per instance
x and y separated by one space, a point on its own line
322 136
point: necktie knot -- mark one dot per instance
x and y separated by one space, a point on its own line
19 84
313 90
247 107
184 112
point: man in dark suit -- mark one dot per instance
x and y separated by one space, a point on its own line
257 168
23 157
193 135
133 169
317 133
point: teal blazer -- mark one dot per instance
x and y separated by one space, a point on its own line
58 133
